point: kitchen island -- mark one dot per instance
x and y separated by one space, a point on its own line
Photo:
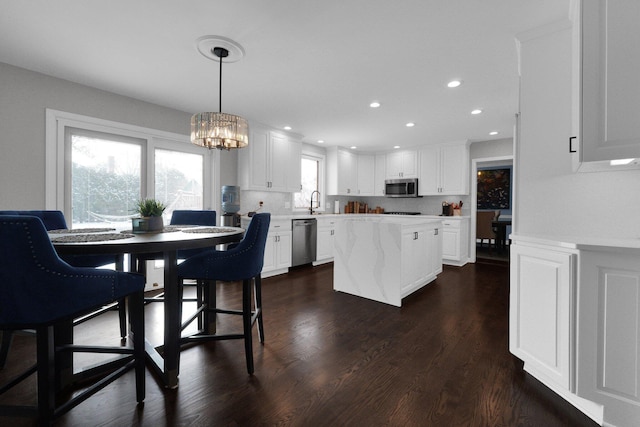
386 258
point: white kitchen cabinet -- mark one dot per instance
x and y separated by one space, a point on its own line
444 170
455 241
542 311
421 256
605 126
277 250
609 333
402 164
380 174
325 238
366 174
271 162
349 174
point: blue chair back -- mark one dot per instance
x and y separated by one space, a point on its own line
52 220
243 261
189 217
37 287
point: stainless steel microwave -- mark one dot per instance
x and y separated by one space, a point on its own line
407 187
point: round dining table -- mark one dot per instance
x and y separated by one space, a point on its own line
165 245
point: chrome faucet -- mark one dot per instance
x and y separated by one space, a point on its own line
311 201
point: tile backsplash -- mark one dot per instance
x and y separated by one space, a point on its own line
281 203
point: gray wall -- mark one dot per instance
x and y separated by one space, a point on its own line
24 96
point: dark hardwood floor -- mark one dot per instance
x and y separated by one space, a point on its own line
332 359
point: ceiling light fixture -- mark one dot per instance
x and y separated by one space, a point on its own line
396 147
219 130
374 104
454 83
410 124
287 128
495 132
353 147
321 141
476 111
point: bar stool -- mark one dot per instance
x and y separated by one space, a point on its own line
241 262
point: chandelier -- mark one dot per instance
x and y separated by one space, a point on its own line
219 130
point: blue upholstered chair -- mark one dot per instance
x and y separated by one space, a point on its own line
54 220
38 291
192 217
242 262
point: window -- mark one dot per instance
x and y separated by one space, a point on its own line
96 170
179 180
104 181
312 174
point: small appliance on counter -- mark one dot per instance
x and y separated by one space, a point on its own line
230 206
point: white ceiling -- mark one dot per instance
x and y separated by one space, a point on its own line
314 65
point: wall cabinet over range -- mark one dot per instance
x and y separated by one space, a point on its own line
271 161
444 170
402 164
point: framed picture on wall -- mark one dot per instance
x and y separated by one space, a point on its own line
494 188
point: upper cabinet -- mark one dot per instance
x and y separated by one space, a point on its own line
380 174
349 174
402 164
271 161
605 99
444 170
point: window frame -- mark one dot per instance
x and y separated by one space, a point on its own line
321 159
57 161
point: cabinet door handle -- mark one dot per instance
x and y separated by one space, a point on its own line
571 150
435 232
415 235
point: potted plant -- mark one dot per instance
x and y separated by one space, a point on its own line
150 220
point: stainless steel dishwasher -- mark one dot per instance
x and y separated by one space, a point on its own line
303 246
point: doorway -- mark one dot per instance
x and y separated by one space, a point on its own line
475 251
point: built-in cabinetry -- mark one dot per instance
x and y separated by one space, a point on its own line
608 371
271 161
421 256
402 164
326 234
444 170
277 251
349 174
605 127
455 241
380 174
574 319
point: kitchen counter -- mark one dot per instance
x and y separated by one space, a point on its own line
386 257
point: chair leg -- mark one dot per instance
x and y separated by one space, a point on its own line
136 317
122 316
7 338
258 305
46 374
246 323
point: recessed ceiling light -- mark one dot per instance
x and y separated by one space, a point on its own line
396 146
321 141
410 124
374 104
287 128
495 132
454 83
353 147
476 111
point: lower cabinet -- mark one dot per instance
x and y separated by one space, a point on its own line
455 241
542 312
421 256
277 250
608 371
325 238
